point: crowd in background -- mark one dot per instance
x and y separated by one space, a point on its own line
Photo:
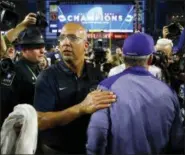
48 57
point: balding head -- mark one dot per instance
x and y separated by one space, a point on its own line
73 43
75 28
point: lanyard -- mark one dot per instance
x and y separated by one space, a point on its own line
31 72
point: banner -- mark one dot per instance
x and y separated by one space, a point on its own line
98 35
97 18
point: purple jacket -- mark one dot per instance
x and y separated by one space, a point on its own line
144 119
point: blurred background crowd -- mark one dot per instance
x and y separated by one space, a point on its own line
35 25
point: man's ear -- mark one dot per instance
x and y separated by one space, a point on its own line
86 45
150 60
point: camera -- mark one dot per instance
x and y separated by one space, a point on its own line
99 52
160 59
174 30
41 20
177 68
173 70
8 17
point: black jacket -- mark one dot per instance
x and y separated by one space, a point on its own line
58 88
18 86
24 82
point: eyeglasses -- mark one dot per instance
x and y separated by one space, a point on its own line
70 37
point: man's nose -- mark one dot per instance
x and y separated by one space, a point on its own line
66 40
42 50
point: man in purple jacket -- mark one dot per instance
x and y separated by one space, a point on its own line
145 119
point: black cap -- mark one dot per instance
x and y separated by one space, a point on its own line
32 37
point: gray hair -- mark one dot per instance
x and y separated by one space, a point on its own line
164 42
136 60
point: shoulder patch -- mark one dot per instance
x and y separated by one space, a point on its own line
8 79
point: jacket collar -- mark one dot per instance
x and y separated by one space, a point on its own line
32 65
137 70
67 70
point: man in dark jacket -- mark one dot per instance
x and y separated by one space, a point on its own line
19 83
64 96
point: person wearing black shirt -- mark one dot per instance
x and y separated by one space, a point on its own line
26 76
27 69
65 95
19 83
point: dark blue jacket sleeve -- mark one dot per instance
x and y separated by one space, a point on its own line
44 99
181 42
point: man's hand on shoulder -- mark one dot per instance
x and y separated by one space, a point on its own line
97 100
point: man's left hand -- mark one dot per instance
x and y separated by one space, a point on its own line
30 19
